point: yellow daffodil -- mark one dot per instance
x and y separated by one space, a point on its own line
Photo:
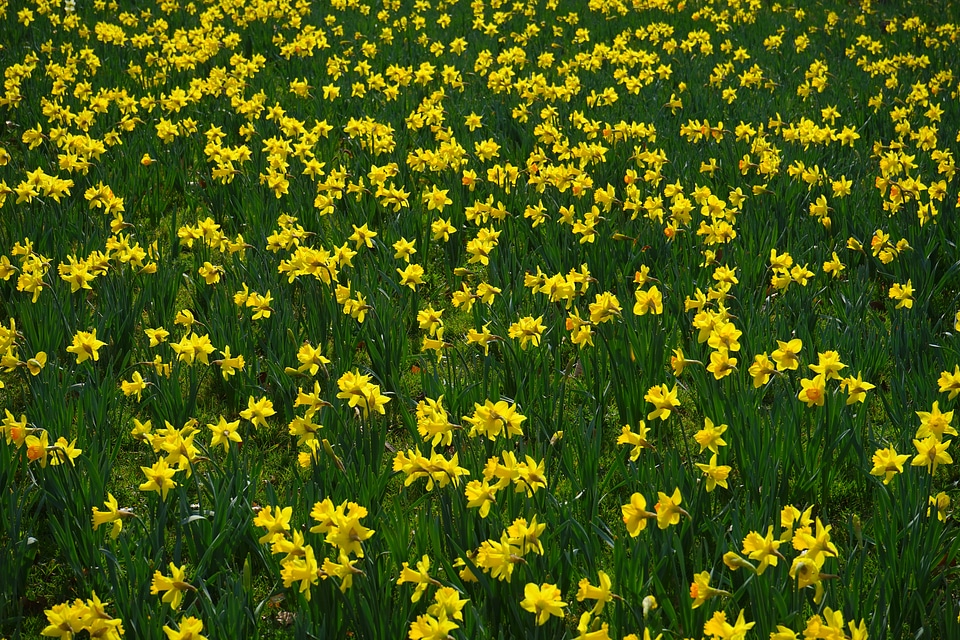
173 585
86 346
543 600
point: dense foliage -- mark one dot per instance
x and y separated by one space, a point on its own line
530 319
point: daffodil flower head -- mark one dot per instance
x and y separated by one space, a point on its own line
543 600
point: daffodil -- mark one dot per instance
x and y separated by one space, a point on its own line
941 502
442 229
363 236
711 436
411 276
527 330
480 495
86 346
638 440
157 335
856 388
112 514
816 543
931 452
173 585
721 364
526 535
190 628
277 523
649 301
419 576
701 591
887 463
64 452
134 386
764 549
258 411
664 401
715 474
668 509
428 627
761 370
229 364
806 571
828 365
36 364
223 433
635 514
447 603
950 382
718 628
903 294
786 354
602 593
813 391
605 308
543 600
678 362
159 478
935 423
404 249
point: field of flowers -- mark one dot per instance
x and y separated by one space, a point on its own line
532 319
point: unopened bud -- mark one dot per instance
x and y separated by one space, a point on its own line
649 604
